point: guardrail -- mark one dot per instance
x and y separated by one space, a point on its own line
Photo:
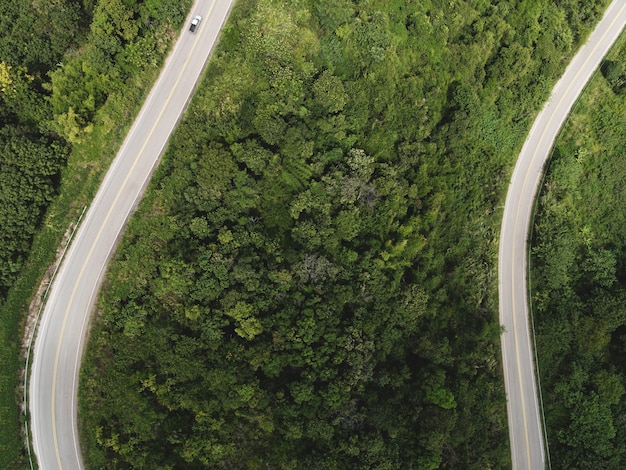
42 302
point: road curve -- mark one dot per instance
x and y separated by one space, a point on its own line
525 424
59 341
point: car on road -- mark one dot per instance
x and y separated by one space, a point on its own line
194 23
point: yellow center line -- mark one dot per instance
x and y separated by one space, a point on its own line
102 227
519 370
534 157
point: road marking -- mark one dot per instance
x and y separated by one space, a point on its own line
519 370
517 212
93 246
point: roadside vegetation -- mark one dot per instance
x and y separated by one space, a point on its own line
579 279
311 280
72 76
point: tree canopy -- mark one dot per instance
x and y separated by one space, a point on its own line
311 279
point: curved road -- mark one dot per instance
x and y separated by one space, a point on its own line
525 425
59 342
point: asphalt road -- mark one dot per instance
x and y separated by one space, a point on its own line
60 337
525 424
59 342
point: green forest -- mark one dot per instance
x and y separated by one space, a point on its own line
311 279
31 153
579 279
61 64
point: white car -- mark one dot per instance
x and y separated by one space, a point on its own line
194 23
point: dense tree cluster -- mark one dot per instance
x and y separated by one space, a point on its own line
124 38
28 177
33 38
579 267
311 281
